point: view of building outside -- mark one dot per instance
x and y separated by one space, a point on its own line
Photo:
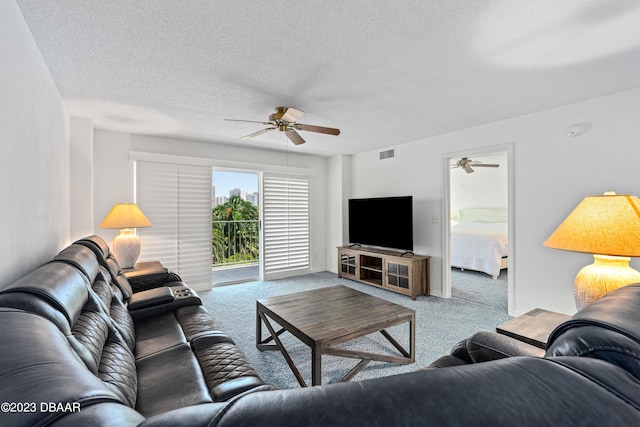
235 218
229 184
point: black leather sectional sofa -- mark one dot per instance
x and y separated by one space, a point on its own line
78 347
77 330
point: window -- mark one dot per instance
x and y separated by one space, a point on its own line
177 200
286 225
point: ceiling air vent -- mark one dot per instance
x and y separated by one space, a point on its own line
388 154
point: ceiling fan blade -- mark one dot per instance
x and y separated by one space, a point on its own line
468 169
319 129
486 165
291 115
295 137
260 132
248 121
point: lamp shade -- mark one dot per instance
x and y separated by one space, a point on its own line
125 215
606 225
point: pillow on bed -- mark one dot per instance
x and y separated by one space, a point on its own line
484 215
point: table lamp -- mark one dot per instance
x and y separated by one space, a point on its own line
607 226
126 245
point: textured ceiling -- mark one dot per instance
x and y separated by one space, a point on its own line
383 72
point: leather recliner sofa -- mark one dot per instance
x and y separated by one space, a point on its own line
75 332
52 375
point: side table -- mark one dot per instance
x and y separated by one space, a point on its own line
533 327
149 275
145 268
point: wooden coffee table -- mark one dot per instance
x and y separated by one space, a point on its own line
322 318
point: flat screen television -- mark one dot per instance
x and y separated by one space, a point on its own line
383 221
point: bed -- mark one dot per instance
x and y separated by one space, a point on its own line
479 241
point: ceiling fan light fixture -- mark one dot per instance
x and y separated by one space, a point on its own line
285 120
465 163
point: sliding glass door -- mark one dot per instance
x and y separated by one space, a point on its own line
235 227
193 232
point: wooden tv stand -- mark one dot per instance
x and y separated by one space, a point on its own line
407 274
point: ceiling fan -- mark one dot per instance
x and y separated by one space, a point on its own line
285 120
466 163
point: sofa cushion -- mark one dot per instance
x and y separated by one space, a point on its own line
155 334
111 358
194 320
120 317
101 250
118 370
171 328
170 379
38 365
91 330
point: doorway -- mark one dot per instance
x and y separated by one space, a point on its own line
235 227
463 195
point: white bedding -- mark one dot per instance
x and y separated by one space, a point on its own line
479 246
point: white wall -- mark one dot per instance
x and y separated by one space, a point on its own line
81 177
338 187
114 175
553 172
34 148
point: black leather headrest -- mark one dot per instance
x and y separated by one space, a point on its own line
607 329
617 311
96 244
81 257
56 291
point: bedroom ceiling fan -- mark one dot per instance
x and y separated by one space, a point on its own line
466 163
285 120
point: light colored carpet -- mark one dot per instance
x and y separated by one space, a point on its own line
478 303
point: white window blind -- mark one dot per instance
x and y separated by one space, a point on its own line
286 225
177 200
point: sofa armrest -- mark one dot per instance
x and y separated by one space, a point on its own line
484 346
153 302
101 414
202 415
150 298
238 387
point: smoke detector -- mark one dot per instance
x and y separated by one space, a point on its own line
574 130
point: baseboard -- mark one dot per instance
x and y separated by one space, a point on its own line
286 273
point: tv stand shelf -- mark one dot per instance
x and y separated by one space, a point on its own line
406 273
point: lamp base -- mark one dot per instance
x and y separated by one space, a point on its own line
126 248
606 274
